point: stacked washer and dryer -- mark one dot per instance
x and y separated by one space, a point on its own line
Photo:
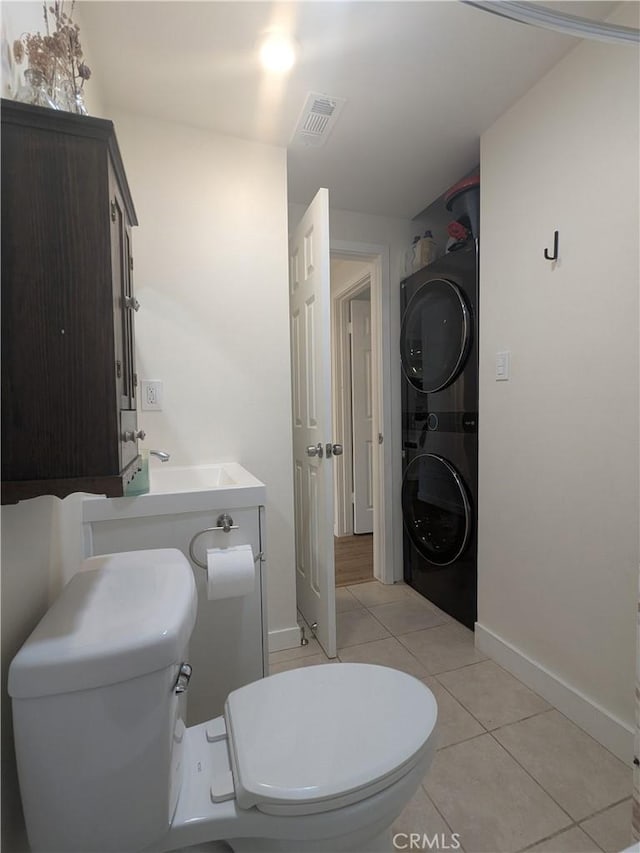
439 350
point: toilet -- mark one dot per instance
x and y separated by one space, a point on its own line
313 760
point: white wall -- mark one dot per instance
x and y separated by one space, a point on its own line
345 273
210 271
349 227
558 502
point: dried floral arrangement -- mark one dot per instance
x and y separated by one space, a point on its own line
56 63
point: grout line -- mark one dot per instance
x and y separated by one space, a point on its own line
477 719
606 809
551 837
405 633
521 720
446 822
462 705
462 740
466 740
628 765
456 668
531 776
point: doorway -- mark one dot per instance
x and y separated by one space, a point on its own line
355 389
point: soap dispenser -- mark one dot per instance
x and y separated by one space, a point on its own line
139 484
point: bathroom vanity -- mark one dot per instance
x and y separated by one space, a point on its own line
230 636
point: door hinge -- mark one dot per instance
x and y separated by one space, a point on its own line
349 328
113 211
135 380
118 369
130 262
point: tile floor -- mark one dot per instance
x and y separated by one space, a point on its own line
511 772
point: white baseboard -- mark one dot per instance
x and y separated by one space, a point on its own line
607 729
285 638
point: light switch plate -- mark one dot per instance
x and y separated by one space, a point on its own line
151 395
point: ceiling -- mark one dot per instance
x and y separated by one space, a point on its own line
422 81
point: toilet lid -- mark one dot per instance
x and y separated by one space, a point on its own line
320 737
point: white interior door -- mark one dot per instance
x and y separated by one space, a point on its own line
362 416
310 304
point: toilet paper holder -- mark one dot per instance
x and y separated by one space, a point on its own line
224 524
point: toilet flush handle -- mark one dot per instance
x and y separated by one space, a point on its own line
183 678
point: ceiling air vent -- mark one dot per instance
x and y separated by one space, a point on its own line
317 119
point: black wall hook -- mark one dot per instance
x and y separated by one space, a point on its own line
553 257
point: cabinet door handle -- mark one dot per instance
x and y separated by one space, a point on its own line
131 302
132 435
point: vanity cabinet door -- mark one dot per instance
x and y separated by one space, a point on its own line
61 398
124 308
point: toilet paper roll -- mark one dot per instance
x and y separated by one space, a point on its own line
231 572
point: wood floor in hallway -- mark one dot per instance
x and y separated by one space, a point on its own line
354 559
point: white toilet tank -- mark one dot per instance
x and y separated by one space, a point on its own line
98 724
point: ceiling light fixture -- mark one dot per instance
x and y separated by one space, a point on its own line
277 52
571 25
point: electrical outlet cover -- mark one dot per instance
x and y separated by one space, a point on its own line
151 395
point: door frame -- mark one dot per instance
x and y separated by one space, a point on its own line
384 512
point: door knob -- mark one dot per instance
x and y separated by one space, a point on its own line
315 450
334 449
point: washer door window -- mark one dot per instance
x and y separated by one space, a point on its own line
436 509
436 335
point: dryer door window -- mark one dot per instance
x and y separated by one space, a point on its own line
436 336
436 509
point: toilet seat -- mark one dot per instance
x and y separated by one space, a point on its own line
319 738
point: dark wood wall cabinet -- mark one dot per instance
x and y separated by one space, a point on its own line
69 420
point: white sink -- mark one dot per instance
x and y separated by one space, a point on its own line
165 477
175 489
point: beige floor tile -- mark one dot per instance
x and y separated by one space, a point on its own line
455 723
493 696
446 647
375 593
402 617
484 795
313 648
387 652
345 600
572 840
579 773
421 816
611 829
414 594
296 663
358 626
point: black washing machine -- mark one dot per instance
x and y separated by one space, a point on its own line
439 350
